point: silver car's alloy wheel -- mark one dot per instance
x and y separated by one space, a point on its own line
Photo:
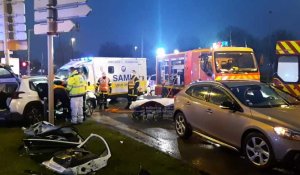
180 124
258 151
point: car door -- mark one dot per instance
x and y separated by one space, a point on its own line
9 83
223 124
195 105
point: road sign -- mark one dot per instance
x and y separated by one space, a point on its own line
12 1
17 9
15 20
14 45
65 13
15 36
42 4
62 26
15 27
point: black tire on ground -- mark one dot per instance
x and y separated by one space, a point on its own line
258 150
183 129
33 114
136 116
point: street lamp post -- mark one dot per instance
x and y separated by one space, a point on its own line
72 43
28 52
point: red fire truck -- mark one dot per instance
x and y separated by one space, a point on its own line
287 67
174 71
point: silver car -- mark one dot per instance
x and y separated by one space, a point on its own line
248 116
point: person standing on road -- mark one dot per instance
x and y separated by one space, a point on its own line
77 88
80 71
133 85
104 88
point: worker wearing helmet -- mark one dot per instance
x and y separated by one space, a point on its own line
133 85
104 87
77 88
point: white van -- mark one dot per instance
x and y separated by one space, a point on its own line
117 69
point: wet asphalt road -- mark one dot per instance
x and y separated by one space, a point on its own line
206 157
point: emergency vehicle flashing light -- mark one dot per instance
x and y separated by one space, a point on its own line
220 44
160 52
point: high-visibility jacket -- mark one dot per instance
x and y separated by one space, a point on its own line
104 84
133 83
76 85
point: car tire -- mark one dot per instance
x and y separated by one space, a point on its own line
183 129
33 114
89 108
258 150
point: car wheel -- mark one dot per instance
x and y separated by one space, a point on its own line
181 126
258 150
89 109
33 114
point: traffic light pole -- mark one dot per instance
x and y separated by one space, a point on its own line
5 27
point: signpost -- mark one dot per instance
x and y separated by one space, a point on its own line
51 11
15 35
42 4
12 26
65 13
14 45
17 8
15 20
62 26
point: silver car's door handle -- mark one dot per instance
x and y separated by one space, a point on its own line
209 111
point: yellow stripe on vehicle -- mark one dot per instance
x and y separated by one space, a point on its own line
296 91
287 48
296 46
279 50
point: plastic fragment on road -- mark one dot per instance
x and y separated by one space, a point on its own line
79 160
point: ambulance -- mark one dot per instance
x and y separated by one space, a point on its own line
174 71
117 69
287 67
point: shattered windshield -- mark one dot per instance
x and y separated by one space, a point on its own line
235 62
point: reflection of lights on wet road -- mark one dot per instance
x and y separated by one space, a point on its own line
166 140
168 146
207 146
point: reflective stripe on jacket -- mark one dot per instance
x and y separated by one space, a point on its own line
133 82
104 84
76 85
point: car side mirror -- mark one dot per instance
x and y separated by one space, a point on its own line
228 105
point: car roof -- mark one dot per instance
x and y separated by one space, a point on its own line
236 83
229 83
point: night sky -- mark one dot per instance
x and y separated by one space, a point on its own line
162 22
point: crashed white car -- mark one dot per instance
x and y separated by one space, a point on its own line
18 98
79 160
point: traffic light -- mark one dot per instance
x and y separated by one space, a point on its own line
24 64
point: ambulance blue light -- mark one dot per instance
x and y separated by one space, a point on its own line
87 59
160 52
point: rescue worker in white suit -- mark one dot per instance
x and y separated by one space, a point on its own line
77 88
